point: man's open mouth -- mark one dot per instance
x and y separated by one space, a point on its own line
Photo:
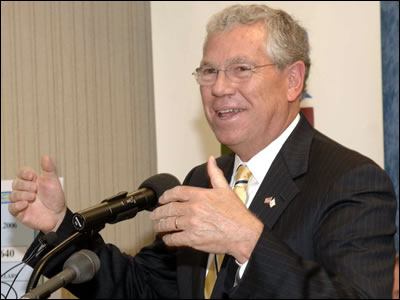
228 113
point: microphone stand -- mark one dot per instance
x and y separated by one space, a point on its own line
38 269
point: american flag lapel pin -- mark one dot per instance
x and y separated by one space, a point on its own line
270 201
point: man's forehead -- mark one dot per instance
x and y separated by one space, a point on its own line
241 31
240 44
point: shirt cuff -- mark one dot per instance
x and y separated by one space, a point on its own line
240 271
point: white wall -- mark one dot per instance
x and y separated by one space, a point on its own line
345 79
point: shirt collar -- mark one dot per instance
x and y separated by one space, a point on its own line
261 162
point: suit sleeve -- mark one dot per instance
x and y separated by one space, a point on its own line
149 274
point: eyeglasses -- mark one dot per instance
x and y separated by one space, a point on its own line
237 73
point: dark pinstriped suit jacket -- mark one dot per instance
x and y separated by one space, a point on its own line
330 234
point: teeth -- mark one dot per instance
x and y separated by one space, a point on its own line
236 110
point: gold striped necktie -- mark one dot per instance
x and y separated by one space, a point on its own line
242 178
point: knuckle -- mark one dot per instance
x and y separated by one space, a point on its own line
26 173
167 193
14 183
171 209
15 196
162 225
24 196
11 209
192 241
17 184
195 206
154 214
157 226
166 224
172 239
166 239
18 196
177 192
193 222
21 172
178 189
22 185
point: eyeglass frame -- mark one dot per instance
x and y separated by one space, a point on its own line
250 68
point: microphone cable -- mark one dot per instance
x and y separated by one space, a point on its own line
49 239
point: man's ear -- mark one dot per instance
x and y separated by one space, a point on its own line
295 79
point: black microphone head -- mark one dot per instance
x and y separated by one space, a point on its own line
85 263
160 183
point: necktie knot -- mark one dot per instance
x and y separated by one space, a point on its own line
242 178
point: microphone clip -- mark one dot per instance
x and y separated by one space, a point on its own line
89 218
120 195
125 214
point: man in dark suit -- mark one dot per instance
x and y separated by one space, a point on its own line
317 219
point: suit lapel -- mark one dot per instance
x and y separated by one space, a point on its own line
278 189
279 184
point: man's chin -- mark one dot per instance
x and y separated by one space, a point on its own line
228 142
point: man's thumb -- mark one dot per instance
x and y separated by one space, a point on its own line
48 166
217 177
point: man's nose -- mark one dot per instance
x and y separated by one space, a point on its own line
223 85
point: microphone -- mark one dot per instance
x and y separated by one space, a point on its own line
79 268
123 205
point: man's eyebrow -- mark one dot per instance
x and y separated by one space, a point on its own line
206 63
230 61
238 60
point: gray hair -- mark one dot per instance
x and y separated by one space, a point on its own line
286 42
